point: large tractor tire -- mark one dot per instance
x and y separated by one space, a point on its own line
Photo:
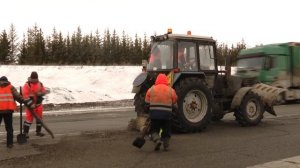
139 103
194 105
251 110
139 122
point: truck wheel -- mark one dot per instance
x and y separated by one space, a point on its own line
251 111
194 105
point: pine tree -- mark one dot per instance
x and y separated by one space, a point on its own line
23 52
4 48
98 49
146 48
124 49
68 51
14 44
106 47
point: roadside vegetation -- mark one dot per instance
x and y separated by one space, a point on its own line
107 48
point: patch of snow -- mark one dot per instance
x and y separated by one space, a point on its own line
77 84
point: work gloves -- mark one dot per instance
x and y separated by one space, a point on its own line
29 103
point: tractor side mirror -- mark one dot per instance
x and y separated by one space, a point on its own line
228 65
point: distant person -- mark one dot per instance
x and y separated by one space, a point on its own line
34 90
155 58
181 57
8 95
160 99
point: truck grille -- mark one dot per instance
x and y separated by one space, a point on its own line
249 81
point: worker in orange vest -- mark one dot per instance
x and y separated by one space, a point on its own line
160 99
34 90
8 95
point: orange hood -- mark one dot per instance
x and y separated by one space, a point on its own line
161 79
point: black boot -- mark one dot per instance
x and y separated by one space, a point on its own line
157 142
166 144
39 130
9 138
26 129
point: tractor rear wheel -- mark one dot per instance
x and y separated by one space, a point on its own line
194 105
139 103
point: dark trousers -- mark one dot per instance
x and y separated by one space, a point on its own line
8 126
165 125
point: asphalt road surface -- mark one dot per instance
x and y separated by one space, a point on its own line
100 139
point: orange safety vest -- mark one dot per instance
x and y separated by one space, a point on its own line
7 101
161 98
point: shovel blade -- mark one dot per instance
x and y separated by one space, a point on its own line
21 138
138 142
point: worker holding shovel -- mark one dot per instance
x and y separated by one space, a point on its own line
34 90
8 95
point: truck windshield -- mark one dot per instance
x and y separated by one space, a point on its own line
161 56
251 63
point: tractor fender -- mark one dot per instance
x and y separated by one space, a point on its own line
177 76
138 81
238 97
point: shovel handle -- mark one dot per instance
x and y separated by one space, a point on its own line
21 110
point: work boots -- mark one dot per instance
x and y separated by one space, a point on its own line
166 144
156 139
26 129
38 131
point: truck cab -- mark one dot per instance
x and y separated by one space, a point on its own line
273 64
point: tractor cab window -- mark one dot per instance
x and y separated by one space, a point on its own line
206 53
187 56
161 56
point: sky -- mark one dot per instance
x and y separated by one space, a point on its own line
227 21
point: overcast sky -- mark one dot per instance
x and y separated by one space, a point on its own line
229 21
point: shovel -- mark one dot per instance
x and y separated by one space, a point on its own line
21 138
140 141
41 121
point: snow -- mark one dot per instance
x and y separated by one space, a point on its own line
77 84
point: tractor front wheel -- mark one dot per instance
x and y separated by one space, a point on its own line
251 111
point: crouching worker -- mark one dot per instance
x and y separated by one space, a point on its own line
34 90
160 99
8 95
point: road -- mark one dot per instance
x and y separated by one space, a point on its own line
100 139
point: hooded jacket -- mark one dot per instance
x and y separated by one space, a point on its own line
8 95
160 98
33 89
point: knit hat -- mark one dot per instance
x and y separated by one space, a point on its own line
34 75
4 78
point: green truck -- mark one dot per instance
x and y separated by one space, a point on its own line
273 64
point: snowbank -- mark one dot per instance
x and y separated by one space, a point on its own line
78 84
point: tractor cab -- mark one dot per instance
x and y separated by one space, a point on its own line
181 53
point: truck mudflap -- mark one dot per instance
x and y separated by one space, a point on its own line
269 95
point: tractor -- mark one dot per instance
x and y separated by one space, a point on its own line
205 93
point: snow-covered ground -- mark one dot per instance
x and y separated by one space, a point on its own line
78 84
